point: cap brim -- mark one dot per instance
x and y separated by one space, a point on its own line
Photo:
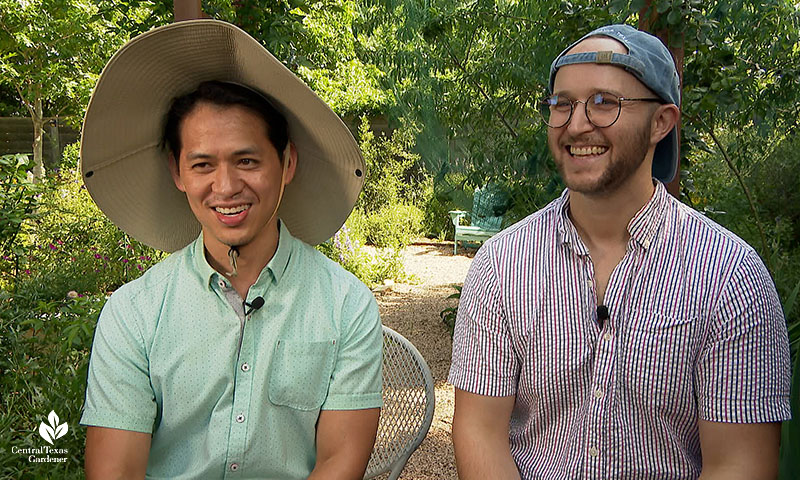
125 167
665 157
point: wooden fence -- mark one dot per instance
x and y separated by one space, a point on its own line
16 136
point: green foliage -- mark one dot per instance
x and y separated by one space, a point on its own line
394 225
449 314
790 433
44 364
18 200
72 246
371 266
392 170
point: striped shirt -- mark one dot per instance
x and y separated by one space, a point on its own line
695 331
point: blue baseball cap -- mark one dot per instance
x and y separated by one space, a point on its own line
649 60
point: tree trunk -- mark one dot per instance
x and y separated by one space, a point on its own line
187 10
38 130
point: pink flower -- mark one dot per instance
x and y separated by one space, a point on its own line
97 255
52 247
139 267
124 260
27 272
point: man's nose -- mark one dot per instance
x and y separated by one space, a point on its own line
227 180
579 123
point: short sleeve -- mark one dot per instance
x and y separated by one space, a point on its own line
356 382
483 359
118 393
743 371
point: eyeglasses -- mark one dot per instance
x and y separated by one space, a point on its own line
602 108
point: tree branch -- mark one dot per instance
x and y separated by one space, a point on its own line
740 179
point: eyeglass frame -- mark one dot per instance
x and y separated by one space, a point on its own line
586 107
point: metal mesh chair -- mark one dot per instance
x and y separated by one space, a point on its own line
408 400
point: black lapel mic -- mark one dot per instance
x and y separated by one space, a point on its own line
249 308
602 314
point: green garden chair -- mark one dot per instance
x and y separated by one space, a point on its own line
486 218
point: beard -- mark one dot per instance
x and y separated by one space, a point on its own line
630 150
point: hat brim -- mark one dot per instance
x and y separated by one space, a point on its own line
125 167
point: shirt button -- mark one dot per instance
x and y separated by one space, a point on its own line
240 418
246 366
593 452
590 283
598 393
607 336
234 467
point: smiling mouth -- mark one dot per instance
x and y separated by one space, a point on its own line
586 151
232 210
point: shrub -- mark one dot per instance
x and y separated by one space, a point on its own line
71 245
18 200
43 368
394 226
370 266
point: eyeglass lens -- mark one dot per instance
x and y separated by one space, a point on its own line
602 109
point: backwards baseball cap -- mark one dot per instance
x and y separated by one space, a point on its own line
649 60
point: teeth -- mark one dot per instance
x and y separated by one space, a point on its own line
232 210
593 150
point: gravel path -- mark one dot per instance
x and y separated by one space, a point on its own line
413 310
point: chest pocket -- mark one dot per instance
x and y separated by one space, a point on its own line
300 373
661 351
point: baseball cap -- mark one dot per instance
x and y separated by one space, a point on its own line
649 60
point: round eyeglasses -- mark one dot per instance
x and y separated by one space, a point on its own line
602 108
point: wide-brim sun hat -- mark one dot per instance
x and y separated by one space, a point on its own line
123 160
649 60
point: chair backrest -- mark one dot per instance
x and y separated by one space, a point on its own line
408 401
488 206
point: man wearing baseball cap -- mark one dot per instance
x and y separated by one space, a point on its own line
246 353
617 333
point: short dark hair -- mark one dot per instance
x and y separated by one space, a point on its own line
225 94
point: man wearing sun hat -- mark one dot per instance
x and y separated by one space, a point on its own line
246 353
617 333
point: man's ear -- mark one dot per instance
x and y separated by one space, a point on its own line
174 170
290 163
664 120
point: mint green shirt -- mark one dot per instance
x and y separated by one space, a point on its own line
227 395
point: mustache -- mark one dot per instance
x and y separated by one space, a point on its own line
567 139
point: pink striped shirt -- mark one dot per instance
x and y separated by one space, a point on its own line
696 331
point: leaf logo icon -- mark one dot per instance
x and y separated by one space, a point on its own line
54 430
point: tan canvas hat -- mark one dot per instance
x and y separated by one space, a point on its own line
125 167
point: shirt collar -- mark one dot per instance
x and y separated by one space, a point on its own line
567 233
273 272
642 228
